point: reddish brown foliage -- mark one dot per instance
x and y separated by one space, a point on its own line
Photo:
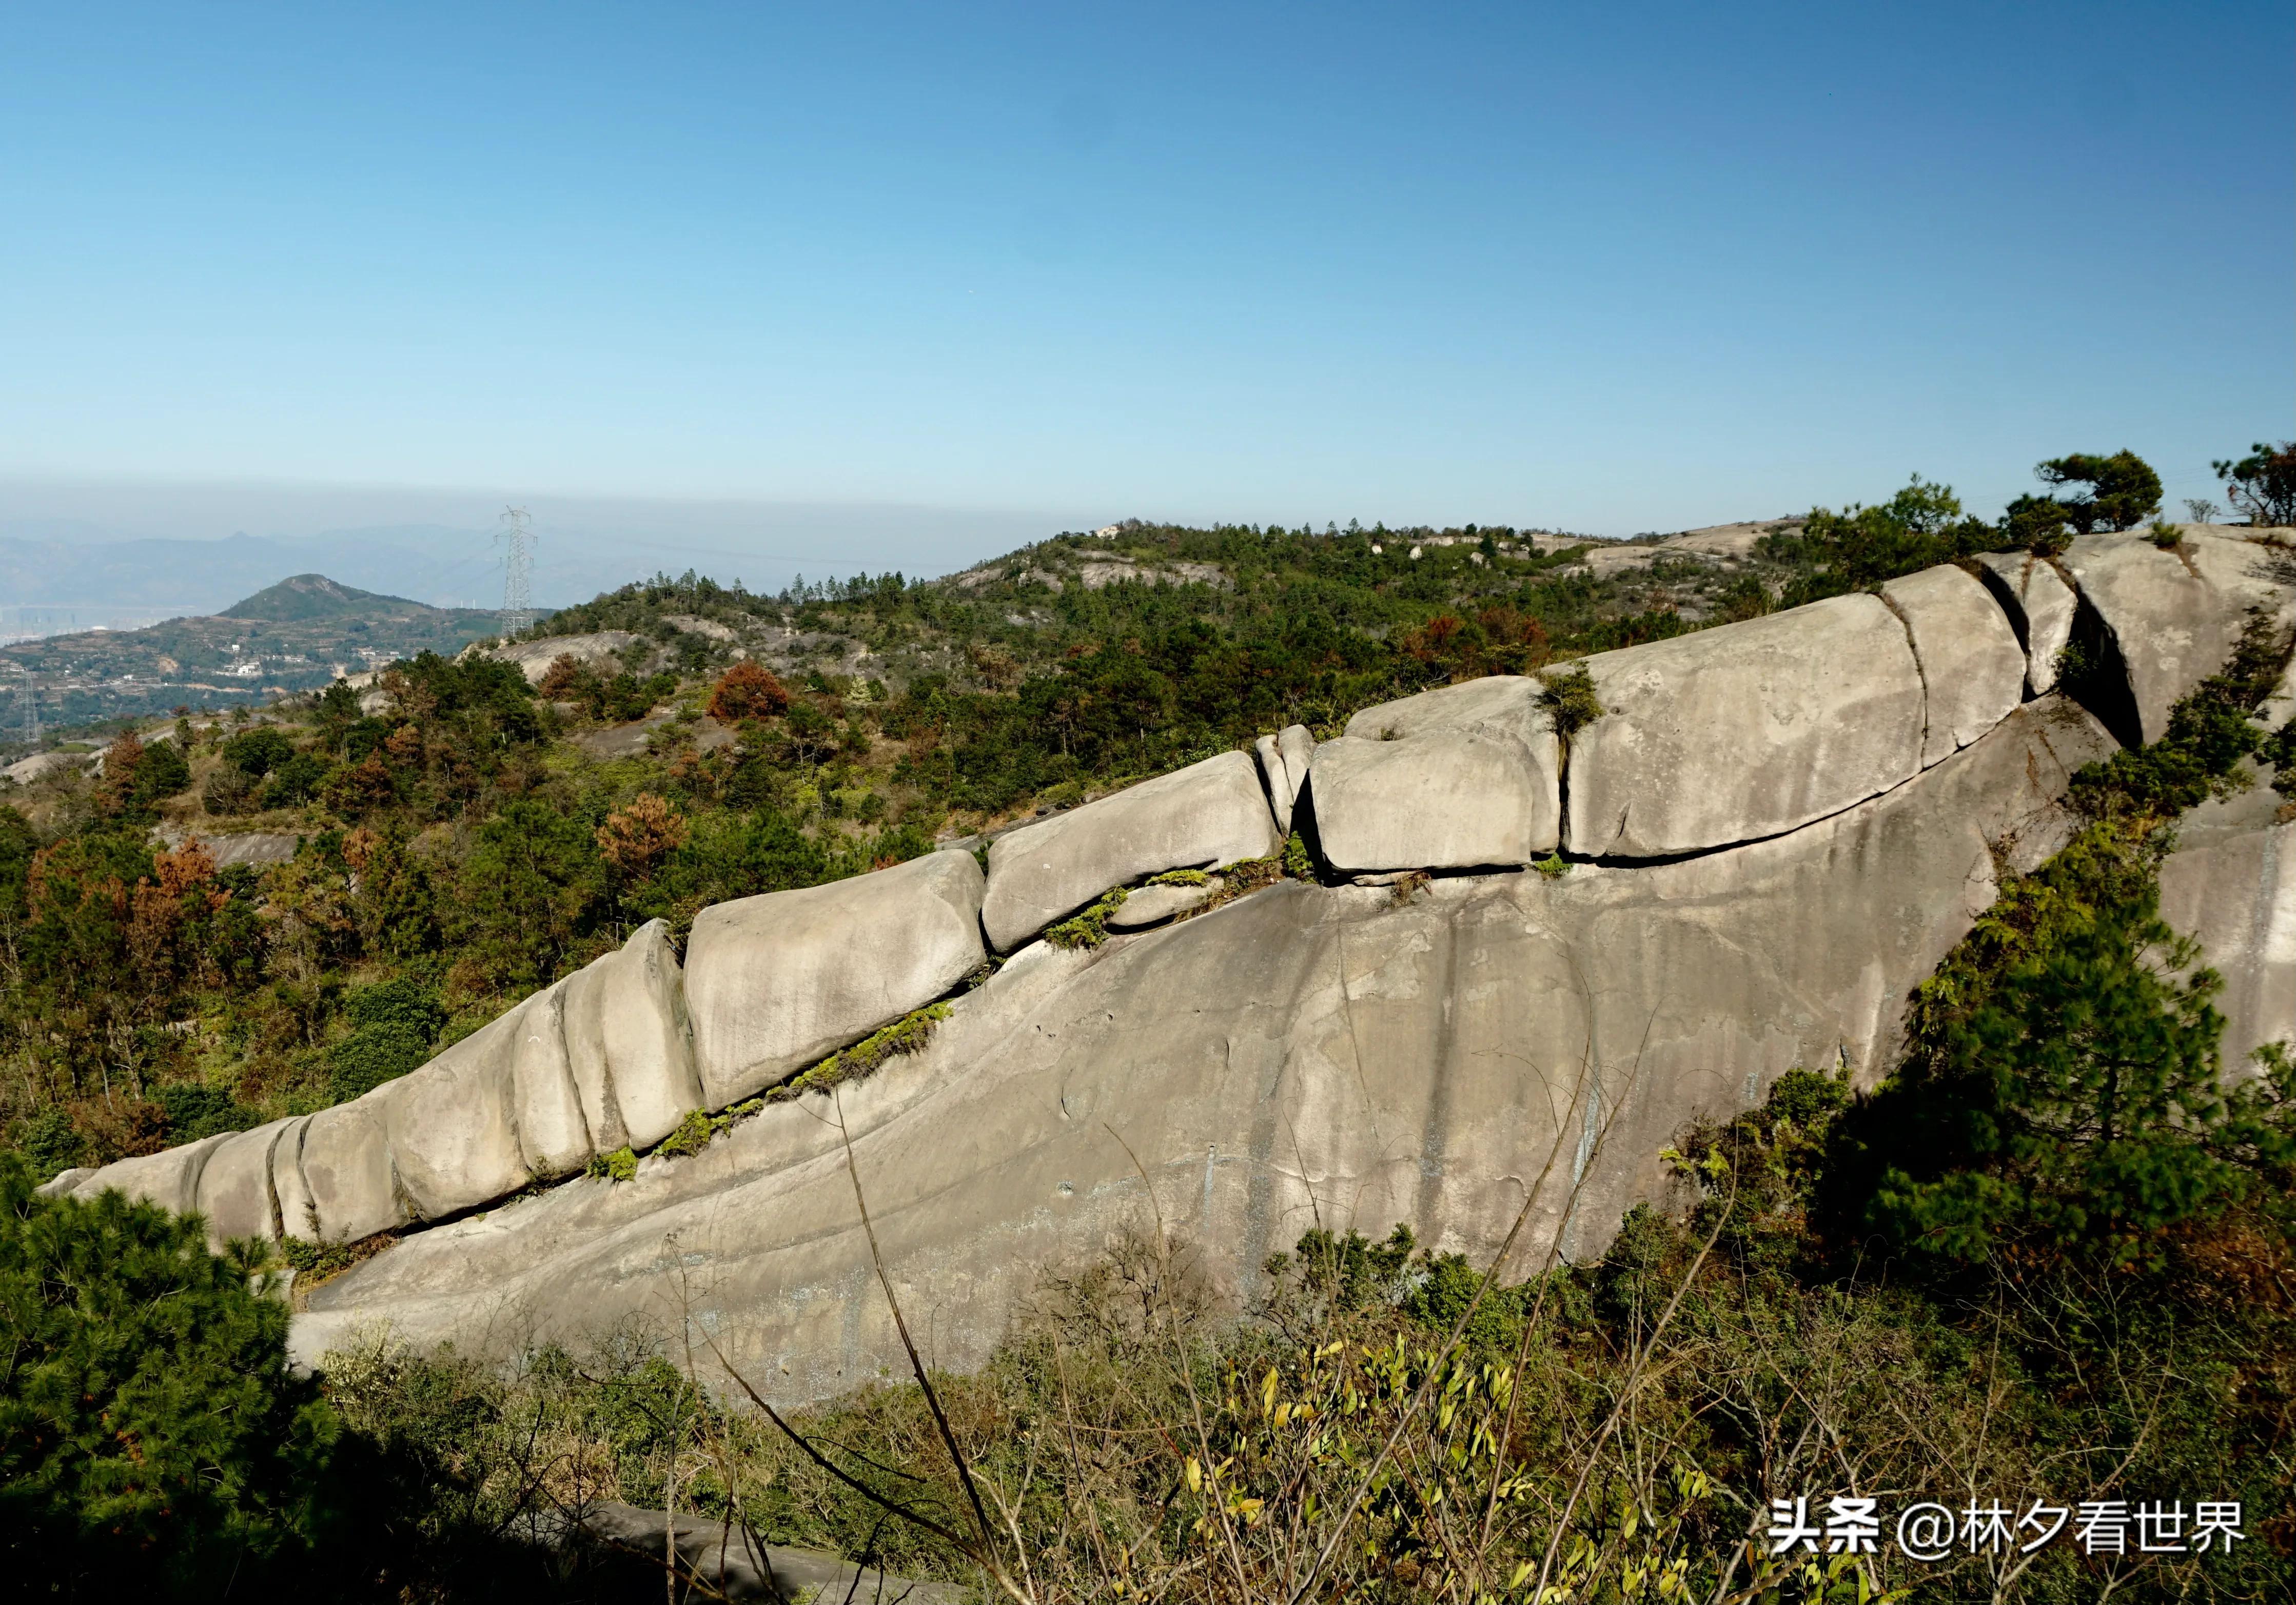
119 1128
635 839
560 678
747 691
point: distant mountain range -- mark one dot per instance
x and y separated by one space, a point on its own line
296 636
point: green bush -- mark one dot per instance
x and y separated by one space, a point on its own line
259 752
393 1024
153 1441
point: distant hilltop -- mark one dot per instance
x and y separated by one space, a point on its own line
295 636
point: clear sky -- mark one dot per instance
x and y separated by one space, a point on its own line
1609 267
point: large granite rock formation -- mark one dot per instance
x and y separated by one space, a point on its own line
1972 669
2040 606
1462 777
1303 1056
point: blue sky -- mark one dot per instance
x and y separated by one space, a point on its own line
1606 267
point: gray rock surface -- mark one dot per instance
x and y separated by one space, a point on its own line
1276 778
627 1044
170 1179
292 1198
235 1191
1972 669
1207 814
345 1159
1507 702
2040 606
1302 1056
2235 891
553 1138
453 1123
1154 905
1297 748
2173 616
776 983
1745 731
1440 799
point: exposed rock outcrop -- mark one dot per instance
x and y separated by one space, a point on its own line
1303 1056
2173 614
1745 731
2040 606
1207 814
775 983
1972 669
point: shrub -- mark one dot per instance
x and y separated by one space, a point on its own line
747 691
152 1439
1571 700
257 751
2123 489
393 1024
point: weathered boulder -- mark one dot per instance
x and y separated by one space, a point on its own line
2040 606
453 1123
1154 905
346 1163
1276 778
627 1043
169 1179
2236 893
64 1184
1507 702
2173 616
1972 669
1297 748
554 1139
1302 1056
1476 798
1200 817
235 1191
1462 776
1745 731
775 983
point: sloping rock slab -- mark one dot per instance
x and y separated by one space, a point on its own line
2174 615
345 1167
2040 606
1201 817
1745 731
1972 669
1302 1056
777 982
2238 895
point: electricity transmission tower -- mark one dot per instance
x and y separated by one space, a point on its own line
517 571
30 700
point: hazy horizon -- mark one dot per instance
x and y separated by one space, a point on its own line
748 278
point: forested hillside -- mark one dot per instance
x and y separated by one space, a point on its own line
455 838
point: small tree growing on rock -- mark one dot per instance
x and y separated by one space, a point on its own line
2262 485
2123 489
